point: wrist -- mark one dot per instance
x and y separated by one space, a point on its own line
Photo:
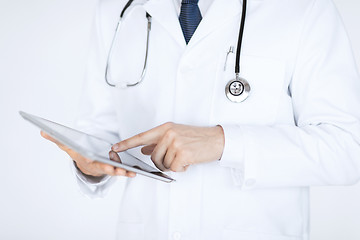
220 141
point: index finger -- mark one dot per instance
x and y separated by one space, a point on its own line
48 137
145 138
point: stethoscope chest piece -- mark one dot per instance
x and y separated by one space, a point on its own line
237 90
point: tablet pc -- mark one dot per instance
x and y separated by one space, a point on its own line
93 147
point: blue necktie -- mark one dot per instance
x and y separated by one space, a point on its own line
190 17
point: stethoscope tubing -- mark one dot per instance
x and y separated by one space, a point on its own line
240 38
117 30
149 18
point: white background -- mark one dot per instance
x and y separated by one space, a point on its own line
43 46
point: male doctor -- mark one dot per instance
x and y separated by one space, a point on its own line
242 170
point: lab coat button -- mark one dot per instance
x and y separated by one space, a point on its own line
176 236
250 182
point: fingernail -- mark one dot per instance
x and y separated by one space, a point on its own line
115 147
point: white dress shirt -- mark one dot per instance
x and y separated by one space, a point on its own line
203 5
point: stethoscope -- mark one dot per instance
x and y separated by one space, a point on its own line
109 58
236 90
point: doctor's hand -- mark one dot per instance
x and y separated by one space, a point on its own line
90 167
174 147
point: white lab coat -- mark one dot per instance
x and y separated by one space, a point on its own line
300 127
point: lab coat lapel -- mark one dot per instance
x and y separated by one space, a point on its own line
219 12
166 14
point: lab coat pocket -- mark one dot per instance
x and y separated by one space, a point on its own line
266 78
232 234
130 231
